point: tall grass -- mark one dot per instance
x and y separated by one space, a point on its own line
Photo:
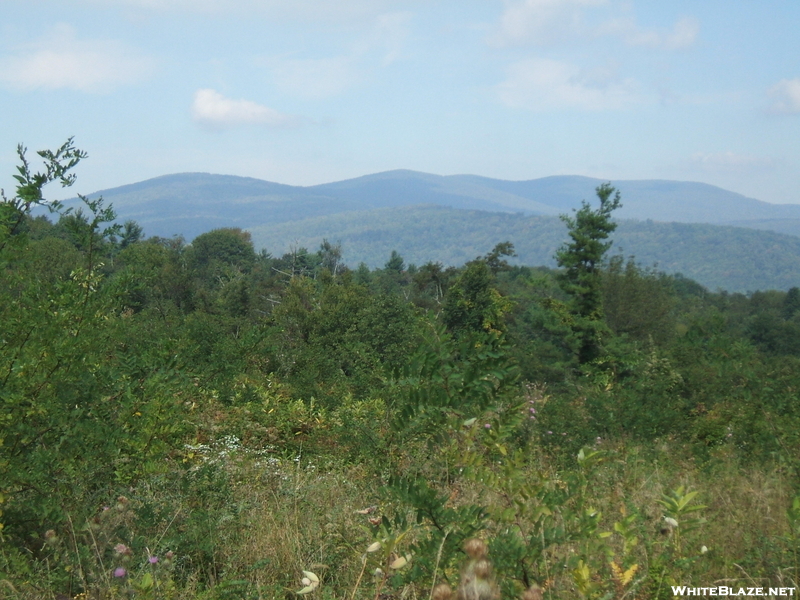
247 524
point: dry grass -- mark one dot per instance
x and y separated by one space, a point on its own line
303 516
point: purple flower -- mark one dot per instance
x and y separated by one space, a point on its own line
488 426
153 560
120 572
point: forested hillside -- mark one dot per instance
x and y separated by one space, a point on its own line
205 421
728 258
682 227
190 203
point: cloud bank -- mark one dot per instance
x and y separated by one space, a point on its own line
549 22
314 10
212 109
319 78
540 22
683 34
786 96
544 84
60 60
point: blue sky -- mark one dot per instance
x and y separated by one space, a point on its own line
311 91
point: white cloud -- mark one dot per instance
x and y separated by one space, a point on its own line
544 84
545 22
540 22
683 34
317 78
60 60
389 35
335 10
212 109
786 96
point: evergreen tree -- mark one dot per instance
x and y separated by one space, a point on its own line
581 259
395 263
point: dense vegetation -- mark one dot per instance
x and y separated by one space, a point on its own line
729 258
205 421
706 233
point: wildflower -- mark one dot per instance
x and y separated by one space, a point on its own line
152 560
120 572
442 592
475 548
476 577
488 426
50 537
483 569
122 549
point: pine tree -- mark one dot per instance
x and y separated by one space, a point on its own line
581 259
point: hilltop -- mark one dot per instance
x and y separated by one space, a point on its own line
721 238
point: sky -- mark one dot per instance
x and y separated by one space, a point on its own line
311 91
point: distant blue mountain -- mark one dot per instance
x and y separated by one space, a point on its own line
191 203
705 232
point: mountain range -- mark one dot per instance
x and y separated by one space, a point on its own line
722 239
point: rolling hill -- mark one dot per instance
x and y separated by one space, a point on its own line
190 203
731 258
722 239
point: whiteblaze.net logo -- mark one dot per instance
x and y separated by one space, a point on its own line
682 590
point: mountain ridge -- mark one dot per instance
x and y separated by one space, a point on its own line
719 257
662 200
451 218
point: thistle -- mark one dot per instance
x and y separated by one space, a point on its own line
477 582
